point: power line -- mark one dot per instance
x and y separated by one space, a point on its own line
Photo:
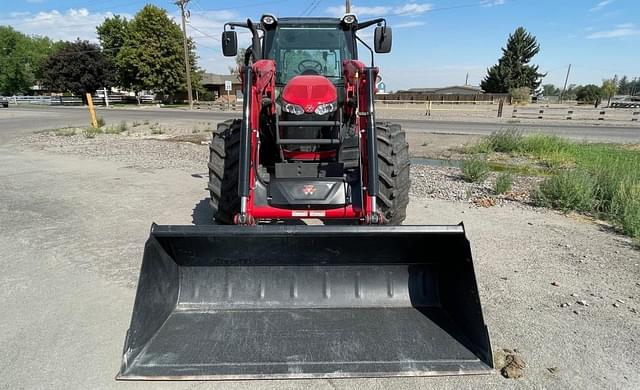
204 33
246 5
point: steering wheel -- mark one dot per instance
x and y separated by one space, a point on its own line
309 66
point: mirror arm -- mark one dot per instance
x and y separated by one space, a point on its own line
368 47
363 25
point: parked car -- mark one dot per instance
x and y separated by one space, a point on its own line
4 102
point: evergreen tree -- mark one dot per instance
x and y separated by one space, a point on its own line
513 70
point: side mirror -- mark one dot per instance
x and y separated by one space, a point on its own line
382 39
229 43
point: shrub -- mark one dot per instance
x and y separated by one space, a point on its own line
474 170
504 182
589 94
91 132
506 141
567 190
65 132
101 122
520 95
625 205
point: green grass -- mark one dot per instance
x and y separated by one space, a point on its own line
155 129
91 132
65 132
118 129
600 179
475 170
503 184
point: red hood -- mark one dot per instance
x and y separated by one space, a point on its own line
309 91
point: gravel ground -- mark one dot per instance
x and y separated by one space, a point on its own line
445 183
143 154
133 152
560 289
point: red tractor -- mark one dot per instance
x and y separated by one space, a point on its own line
287 301
308 144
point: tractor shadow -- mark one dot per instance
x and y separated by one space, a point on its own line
203 215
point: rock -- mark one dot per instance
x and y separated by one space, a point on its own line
566 304
553 370
529 223
576 312
556 284
616 305
617 252
503 278
582 302
514 367
620 301
574 295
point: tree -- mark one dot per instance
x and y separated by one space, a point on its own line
21 59
624 87
520 95
513 69
112 34
79 67
589 94
239 61
550 90
152 57
608 89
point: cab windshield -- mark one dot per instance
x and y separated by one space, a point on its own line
309 51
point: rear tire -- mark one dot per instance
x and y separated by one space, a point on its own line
224 156
393 172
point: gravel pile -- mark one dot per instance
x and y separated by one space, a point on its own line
133 152
446 183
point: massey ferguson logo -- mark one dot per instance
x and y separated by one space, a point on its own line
309 189
308 108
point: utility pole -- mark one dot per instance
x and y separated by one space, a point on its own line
187 63
564 89
347 6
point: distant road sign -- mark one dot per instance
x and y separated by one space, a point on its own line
227 85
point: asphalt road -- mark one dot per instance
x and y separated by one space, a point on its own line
21 120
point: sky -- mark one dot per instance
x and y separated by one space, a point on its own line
436 43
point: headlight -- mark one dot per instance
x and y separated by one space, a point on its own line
326 108
293 109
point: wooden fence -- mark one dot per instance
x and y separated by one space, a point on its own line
576 114
77 101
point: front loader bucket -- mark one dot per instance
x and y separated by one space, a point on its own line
230 302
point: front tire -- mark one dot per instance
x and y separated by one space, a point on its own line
393 172
224 156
